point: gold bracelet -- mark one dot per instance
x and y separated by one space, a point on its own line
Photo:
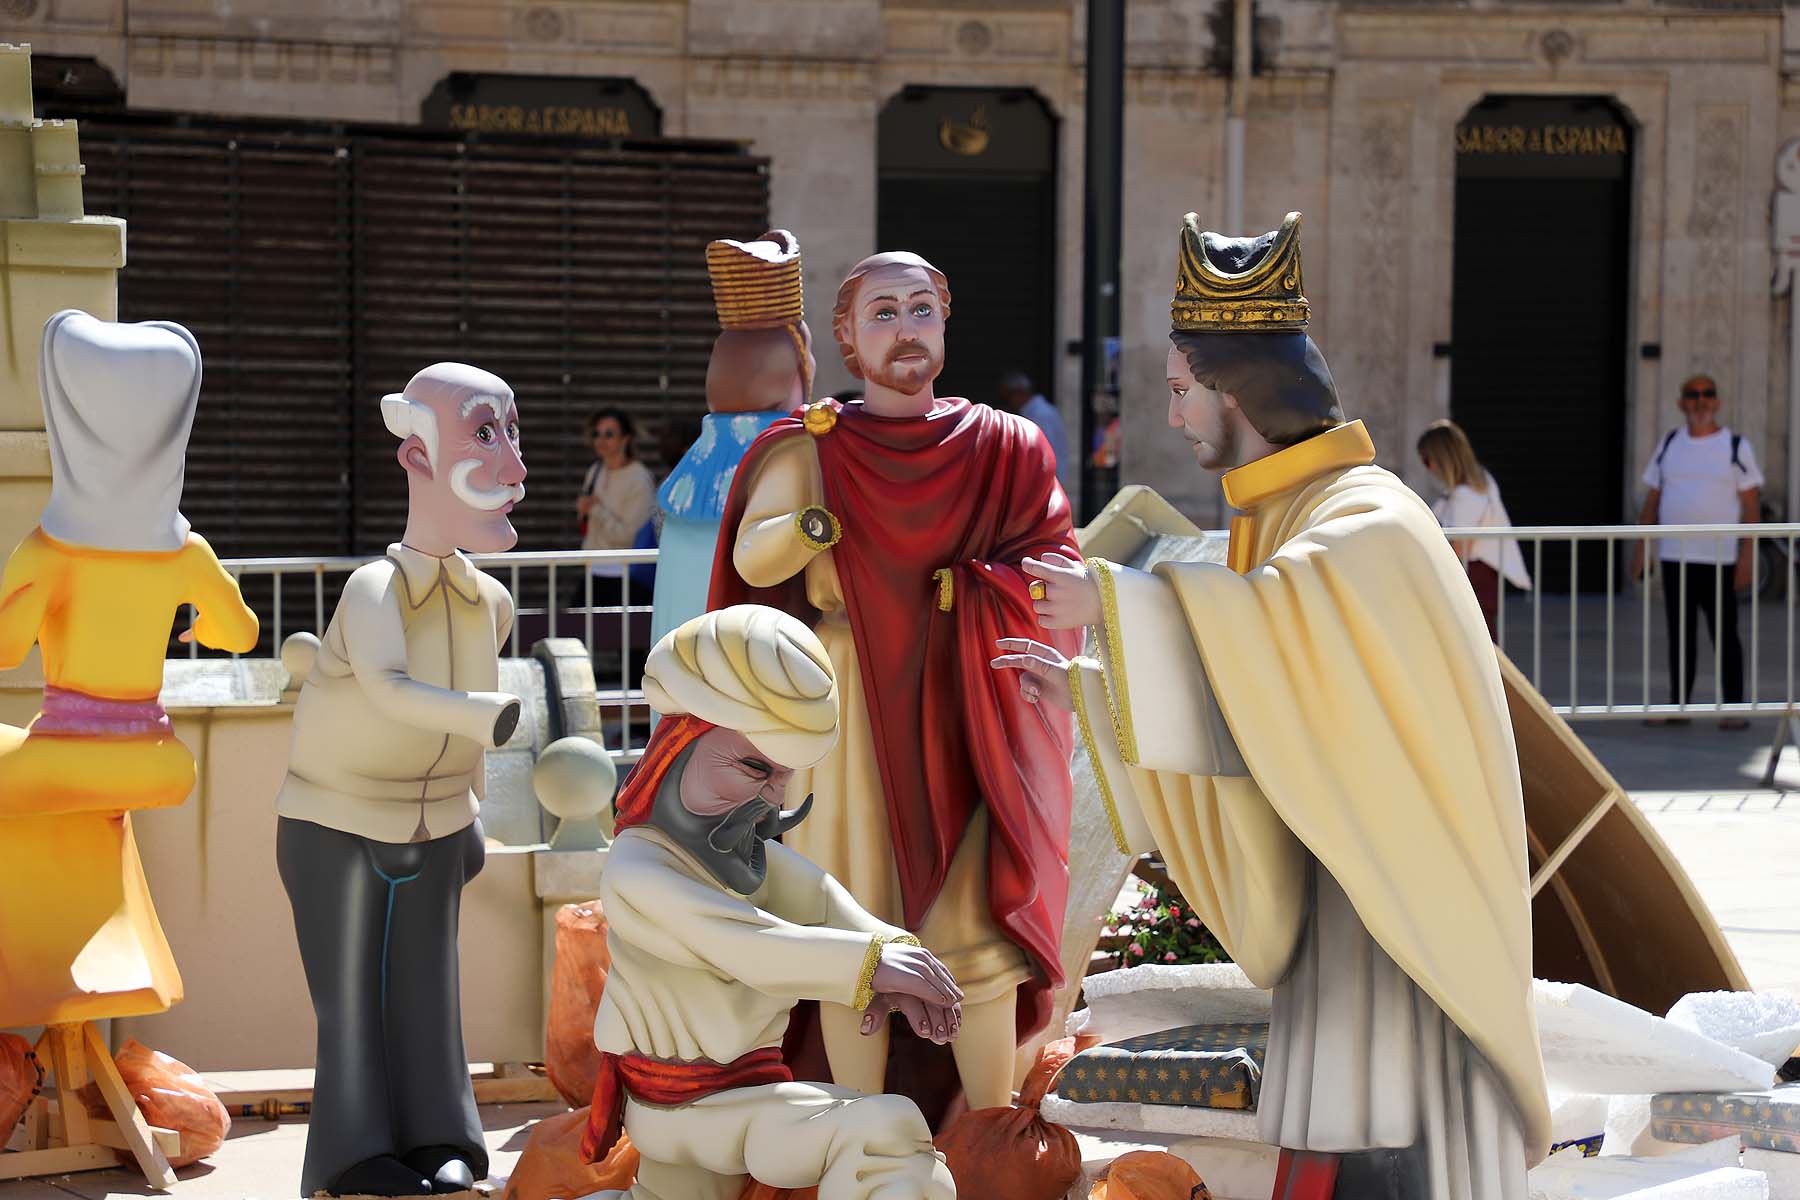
865 982
818 538
946 586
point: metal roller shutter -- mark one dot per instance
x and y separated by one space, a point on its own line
320 266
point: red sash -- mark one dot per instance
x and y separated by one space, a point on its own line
655 1081
1304 1175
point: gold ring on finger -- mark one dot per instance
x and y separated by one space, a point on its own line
1038 589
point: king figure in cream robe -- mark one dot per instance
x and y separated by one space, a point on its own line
1316 738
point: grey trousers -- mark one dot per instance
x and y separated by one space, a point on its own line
377 925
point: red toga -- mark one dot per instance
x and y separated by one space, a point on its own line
974 490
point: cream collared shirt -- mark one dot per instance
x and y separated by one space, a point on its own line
392 724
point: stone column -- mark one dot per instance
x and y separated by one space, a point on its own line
52 257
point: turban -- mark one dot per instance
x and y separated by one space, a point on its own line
752 669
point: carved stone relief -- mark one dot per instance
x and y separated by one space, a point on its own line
1376 349
1713 226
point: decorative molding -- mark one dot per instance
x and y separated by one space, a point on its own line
1714 226
1433 42
987 37
233 58
543 24
1382 155
637 28
1166 87
1684 42
974 37
737 78
1556 45
1506 38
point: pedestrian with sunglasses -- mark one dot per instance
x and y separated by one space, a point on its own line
1702 474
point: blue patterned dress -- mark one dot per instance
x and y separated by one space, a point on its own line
692 500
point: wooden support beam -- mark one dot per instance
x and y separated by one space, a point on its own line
61 1160
142 1146
108 1133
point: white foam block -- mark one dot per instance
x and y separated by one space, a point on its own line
1231 1170
1783 1171
1137 1000
1628 1130
1572 1117
1154 1118
1594 1043
1568 1176
1765 1025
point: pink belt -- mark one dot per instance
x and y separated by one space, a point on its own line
70 712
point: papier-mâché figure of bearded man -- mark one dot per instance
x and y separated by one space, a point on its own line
897 526
716 932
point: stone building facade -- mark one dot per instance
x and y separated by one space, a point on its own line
1353 118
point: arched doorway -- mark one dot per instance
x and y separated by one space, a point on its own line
968 179
1541 308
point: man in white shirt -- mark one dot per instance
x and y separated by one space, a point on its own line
1702 474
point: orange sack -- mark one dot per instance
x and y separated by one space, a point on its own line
551 1168
1150 1175
582 963
20 1079
171 1095
1013 1153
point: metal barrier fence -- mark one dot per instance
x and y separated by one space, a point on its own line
1587 644
554 595
1569 641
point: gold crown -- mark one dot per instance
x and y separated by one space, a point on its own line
756 285
1262 297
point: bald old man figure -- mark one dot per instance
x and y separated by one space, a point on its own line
716 932
378 830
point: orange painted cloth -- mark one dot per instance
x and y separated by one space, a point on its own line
673 735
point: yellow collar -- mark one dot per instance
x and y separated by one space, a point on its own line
423 572
1346 445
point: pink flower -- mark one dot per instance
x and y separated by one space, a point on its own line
1169 957
1175 910
1193 922
1137 949
1146 902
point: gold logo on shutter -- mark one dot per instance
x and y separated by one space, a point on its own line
967 138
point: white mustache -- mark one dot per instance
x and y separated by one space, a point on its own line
485 499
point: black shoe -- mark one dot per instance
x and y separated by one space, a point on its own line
445 1166
383 1175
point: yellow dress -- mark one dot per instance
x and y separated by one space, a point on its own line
79 938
